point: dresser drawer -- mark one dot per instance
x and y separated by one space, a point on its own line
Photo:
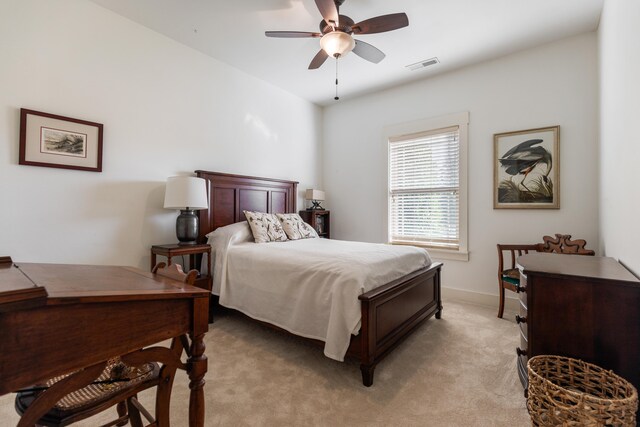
521 364
521 360
524 340
523 330
522 351
523 288
523 308
521 320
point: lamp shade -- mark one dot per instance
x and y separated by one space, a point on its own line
314 195
184 192
337 43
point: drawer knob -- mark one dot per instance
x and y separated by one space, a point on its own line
520 319
521 352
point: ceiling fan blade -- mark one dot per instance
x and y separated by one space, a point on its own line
291 34
318 60
329 11
380 24
368 52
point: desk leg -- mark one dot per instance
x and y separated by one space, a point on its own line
197 370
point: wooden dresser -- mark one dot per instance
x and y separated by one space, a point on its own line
582 307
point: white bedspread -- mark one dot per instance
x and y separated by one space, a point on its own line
309 287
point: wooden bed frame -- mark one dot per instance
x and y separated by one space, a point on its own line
389 312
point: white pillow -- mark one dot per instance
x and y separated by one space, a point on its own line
240 232
265 227
295 227
221 239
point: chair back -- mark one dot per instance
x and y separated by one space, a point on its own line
562 244
175 272
514 252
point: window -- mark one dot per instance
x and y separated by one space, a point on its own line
427 189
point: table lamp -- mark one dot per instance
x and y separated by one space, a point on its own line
188 194
316 196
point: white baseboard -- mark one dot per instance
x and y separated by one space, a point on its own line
510 305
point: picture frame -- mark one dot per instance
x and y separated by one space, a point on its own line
527 169
54 141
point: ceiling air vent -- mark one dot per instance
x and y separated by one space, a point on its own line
423 64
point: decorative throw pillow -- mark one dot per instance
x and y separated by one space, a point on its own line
265 227
295 227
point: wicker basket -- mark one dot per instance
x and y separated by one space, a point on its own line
569 392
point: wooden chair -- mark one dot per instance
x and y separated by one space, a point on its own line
509 278
79 395
174 271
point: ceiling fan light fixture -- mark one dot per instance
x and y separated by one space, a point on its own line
337 43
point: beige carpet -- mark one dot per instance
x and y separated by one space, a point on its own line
457 371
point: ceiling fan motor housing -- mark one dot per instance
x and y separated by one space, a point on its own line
345 24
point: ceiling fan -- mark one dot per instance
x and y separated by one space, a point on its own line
336 33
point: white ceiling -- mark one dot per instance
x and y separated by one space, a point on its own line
458 32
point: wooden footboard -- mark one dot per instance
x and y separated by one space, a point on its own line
392 311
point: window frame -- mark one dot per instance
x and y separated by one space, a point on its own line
461 120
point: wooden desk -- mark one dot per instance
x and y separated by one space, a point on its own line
59 318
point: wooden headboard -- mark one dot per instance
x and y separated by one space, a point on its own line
229 195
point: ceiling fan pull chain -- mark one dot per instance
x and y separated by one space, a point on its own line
337 97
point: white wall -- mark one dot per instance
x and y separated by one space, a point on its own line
169 110
555 84
619 38
166 110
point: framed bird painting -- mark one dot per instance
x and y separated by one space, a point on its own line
527 169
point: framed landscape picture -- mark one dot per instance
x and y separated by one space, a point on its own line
527 169
59 142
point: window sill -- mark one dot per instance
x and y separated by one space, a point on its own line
440 254
451 255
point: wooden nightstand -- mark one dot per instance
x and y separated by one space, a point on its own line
320 220
195 253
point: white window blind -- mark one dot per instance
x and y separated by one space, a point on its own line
424 188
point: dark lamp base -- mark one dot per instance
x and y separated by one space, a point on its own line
316 205
187 227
